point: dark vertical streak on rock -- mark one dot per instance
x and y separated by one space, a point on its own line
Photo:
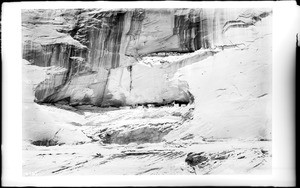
105 86
192 30
179 25
68 73
49 60
214 39
117 36
184 26
137 18
102 34
130 72
136 22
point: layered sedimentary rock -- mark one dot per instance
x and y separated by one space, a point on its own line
129 56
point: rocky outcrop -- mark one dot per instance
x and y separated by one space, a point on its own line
195 158
106 53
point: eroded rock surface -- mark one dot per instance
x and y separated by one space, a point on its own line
103 50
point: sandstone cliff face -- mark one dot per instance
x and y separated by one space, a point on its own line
129 56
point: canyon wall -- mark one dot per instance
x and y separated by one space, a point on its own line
129 56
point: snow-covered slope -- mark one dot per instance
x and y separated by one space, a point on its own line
45 125
232 92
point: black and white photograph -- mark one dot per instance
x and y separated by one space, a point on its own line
144 91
